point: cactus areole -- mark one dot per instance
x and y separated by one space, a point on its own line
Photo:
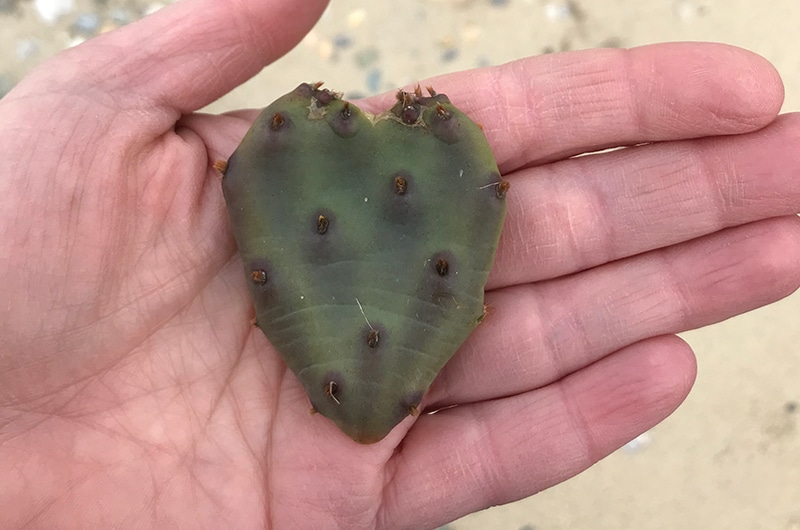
366 242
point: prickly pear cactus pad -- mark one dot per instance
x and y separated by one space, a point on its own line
366 241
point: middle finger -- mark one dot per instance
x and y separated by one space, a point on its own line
582 212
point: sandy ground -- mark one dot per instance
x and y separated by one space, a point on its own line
729 458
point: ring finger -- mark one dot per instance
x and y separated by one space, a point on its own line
536 334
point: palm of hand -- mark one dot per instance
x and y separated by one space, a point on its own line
132 378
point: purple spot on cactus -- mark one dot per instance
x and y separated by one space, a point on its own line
407 108
344 122
402 207
277 121
411 402
372 338
258 272
501 188
410 114
305 90
322 224
441 266
494 182
346 112
400 185
374 335
444 124
322 242
274 131
259 276
439 287
324 97
441 263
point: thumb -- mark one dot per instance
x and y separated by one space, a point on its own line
189 54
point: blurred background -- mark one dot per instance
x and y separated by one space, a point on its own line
729 458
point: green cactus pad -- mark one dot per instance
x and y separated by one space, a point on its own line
366 241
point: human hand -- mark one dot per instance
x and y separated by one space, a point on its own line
134 391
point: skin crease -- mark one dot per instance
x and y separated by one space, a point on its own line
135 394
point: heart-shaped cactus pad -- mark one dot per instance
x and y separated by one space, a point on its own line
366 242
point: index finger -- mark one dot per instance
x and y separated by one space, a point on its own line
550 107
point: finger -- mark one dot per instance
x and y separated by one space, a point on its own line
586 211
550 107
467 458
192 52
536 334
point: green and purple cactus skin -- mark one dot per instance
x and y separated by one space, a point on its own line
367 241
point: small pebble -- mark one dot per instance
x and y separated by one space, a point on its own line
108 26
558 10
9 6
374 77
366 56
51 10
27 49
639 443
87 25
6 84
325 49
611 42
120 17
471 32
499 3
356 17
75 41
342 41
687 9
152 8
449 55
446 41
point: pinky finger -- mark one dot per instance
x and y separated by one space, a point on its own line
467 458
